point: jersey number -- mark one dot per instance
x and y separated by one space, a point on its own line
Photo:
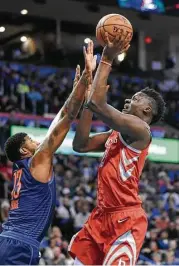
16 189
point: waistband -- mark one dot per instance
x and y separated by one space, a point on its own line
23 238
119 208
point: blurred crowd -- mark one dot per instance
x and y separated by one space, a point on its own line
41 91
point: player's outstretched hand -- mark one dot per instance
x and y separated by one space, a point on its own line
77 76
119 45
90 60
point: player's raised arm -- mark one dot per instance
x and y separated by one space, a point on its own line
41 163
125 123
83 142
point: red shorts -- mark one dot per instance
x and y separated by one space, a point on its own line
111 236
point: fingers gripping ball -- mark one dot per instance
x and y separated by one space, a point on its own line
113 24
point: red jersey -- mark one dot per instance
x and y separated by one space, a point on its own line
114 235
119 173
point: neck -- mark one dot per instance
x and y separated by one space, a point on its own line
25 156
146 119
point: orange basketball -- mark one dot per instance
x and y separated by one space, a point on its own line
113 24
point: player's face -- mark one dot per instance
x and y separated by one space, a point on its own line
137 105
31 145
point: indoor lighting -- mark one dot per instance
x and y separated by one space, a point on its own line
24 12
2 29
121 57
23 39
87 40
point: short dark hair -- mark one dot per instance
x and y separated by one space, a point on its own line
158 104
13 145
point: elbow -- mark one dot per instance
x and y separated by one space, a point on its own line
77 148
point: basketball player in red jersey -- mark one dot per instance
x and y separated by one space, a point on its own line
115 231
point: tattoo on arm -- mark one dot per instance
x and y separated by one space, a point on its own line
77 96
64 110
52 139
85 80
55 133
51 142
73 108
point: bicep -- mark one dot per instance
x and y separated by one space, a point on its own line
124 123
96 142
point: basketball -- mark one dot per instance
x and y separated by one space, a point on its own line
113 24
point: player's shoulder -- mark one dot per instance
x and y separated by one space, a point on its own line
133 148
24 163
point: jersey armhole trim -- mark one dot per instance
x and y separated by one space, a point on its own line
128 146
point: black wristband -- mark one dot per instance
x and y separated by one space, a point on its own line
85 106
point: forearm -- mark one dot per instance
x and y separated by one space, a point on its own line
83 130
77 96
73 103
56 135
99 86
57 118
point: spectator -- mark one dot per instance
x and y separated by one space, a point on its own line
58 257
172 231
157 258
23 87
82 216
36 99
65 213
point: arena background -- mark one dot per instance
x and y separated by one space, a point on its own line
40 44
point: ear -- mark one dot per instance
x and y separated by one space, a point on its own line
147 110
23 151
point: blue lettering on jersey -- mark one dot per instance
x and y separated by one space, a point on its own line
32 203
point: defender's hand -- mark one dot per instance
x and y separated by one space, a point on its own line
77 76
90 60
118 46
